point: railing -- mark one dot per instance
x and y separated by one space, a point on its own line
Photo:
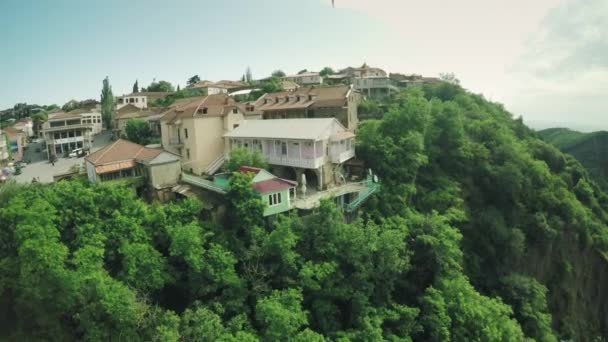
371 188
215 165
294 162
203 183
340 157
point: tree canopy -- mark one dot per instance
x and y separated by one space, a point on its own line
160 86
138 131
107 102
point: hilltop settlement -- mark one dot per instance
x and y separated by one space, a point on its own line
166 144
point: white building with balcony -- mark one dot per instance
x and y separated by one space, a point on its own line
64 132
292 147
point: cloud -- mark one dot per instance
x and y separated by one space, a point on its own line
572 42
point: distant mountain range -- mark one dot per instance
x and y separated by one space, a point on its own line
591 149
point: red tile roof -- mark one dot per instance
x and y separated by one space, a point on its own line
273 185
122 150
249 169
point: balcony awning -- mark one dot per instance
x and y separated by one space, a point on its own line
342 136
123 165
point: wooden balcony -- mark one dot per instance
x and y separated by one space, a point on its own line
341 157
295 162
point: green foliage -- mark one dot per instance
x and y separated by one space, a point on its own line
193 80
160 86
482 232
326 71
588 148
179 94
278 74
136 87
243 157
138 131
107 102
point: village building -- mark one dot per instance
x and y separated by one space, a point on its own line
155 170
26 125
129 112
16 141
276 193
316 148
64 132
219 87
194 130
141 99
305 78
370 81
338 102
289 85
407 81
4 149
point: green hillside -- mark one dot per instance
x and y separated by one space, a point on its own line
591 149
482 232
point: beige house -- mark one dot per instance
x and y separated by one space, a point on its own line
305 78
316 148
219 87
338 102
194 130
141 99
154 168
289 85
4 149
370 81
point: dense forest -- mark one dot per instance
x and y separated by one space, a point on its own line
591 149
482 232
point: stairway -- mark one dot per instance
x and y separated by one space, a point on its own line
371 189
215 165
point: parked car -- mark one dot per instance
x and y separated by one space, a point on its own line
77 153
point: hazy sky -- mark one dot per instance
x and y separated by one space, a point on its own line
546 60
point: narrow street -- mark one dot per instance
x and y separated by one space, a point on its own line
43 171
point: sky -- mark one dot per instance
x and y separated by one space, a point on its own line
546 60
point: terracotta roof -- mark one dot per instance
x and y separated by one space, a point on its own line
304 74
249 169
309 96
130 108
12 132
122 150
69 115
273 184
115 167
215 105
132 112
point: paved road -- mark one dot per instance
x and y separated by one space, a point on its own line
42 170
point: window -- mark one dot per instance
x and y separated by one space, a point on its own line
235 110
309 97
274 199
284 148
235 126
186 133
188 153
78 133
205 110
56 136
143 100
